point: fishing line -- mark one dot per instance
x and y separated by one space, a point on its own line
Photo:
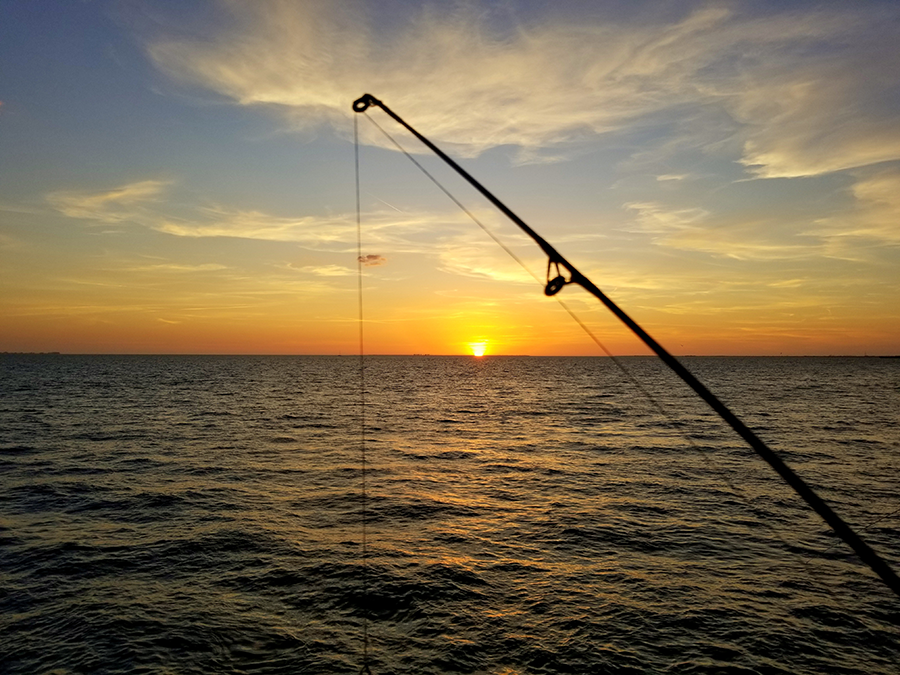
525 267
452 198
554 259
656 404
362 410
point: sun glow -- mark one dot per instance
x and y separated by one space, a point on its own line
478 348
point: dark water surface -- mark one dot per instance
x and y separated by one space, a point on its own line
526 515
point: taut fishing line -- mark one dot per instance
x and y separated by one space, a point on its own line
362 411
707 456
656 404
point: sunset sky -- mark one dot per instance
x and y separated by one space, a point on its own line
178 176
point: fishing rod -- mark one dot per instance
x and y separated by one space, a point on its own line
553 286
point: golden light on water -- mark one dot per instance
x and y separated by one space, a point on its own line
478 348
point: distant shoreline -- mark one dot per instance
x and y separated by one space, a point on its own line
486 356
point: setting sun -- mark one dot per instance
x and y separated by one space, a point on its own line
478 348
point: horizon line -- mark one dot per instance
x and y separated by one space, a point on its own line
470 356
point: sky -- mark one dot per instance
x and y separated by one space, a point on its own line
178 176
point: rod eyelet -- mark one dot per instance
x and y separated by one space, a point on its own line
363 102
554 286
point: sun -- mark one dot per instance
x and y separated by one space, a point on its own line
478 348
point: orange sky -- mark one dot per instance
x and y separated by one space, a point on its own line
181 180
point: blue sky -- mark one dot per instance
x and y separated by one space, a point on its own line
178 176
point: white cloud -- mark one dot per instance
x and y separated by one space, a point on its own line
822 119
695 229
874 216
657 219
217 221
483 261
456 242
807 92
142 203
177 268
107 206
327 270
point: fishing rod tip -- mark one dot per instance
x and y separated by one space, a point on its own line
363 102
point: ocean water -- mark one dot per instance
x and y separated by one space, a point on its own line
202 514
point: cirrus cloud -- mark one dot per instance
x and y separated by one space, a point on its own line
790 82
107 206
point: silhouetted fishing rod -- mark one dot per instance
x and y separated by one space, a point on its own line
556 284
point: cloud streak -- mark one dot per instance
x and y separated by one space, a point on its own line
873 218
750 238
107 206
452 238
789 82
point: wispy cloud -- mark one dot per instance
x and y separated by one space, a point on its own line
107 206
142 203
790 83
874 216
220 221
451 238
747 238
327 270
176 267
407 232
